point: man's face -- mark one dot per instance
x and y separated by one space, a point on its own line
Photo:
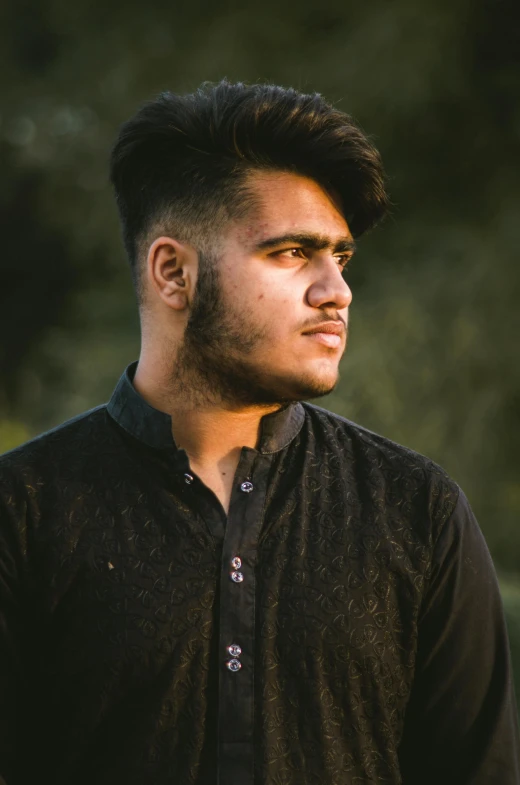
279 275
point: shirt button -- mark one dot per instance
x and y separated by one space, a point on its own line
236 562
247 487
237 577
234 650
233 665
188 479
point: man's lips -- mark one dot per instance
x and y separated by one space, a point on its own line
329 334
336 328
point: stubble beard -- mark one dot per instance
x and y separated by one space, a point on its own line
213 365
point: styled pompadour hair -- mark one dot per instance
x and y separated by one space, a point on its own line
181 164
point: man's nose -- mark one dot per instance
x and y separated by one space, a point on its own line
330 288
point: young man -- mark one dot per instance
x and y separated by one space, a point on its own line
207 580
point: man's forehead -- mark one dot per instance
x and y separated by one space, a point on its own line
274 189
289 204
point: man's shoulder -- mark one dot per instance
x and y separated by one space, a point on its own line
351 434
72 437
383 460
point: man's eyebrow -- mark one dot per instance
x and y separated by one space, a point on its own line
317 242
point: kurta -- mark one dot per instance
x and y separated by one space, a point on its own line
341 625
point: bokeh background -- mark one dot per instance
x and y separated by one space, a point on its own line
433 357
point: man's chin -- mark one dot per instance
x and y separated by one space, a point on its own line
318 391
302 389
242 381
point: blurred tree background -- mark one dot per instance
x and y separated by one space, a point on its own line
433 356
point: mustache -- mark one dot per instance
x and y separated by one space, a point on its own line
337 319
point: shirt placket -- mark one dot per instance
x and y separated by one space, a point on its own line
237 621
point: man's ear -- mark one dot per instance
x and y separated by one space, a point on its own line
171 271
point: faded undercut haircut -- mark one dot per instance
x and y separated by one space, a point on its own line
180 166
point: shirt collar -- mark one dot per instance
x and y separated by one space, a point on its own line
153 427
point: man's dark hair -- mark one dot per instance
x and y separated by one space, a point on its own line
180 165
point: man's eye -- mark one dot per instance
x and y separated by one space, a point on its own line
294 253
343 260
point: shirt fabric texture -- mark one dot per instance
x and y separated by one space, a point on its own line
350 574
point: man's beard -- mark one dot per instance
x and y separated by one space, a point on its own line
213 365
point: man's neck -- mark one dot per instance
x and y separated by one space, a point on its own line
211 433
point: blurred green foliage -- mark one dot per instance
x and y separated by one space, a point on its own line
510 589
433 357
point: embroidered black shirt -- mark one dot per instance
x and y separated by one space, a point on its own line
341 625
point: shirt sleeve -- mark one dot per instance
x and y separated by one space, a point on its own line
461 723
12 650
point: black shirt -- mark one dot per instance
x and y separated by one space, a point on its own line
350 576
